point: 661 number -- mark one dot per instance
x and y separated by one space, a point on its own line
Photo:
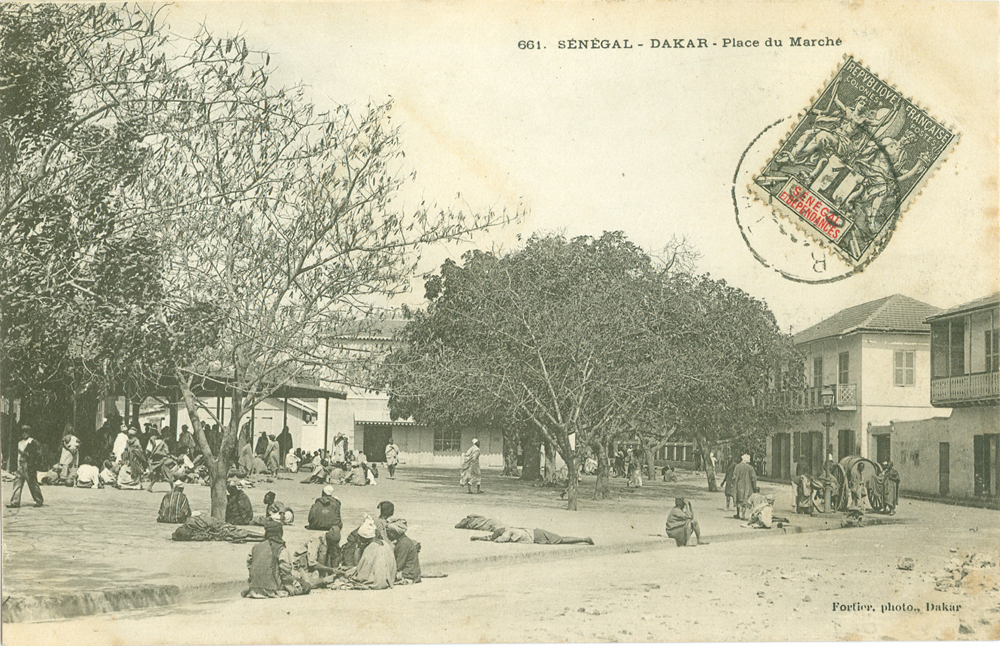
529 44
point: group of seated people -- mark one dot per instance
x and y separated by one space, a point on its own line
129 463
376 555
354 469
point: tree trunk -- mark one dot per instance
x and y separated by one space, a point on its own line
573 482
706 455
650 463
509 455
603 488
532 469
550 464
218 469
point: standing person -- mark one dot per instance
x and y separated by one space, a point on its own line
744 481
890 487
160 463
121 442
29 457
471 474
284 442
727 483
69 459
391 458
187 440
272 458
681 524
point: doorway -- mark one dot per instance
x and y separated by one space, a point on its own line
882 448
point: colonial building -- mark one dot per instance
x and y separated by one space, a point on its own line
363 417
865 366
956 453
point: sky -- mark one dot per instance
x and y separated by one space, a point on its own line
648 140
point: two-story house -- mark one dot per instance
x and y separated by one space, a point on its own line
956 454
871 361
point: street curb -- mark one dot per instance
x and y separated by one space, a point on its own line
34 608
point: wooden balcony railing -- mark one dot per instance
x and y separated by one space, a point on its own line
967 389
811 399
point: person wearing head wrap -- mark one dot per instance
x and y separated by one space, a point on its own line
376 568
537 536
239 509
470 468
264 565
890 487
405 549
681 525
174 508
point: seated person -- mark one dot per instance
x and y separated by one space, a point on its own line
285 513
325 512
270 567
761 511
746 507
681 525
239 510
406 550
109 474
669 474
376 566
88 475
174 508
537 536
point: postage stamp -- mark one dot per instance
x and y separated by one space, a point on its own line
853 163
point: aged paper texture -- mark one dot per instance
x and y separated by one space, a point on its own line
695 128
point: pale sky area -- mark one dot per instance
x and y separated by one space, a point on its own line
648 140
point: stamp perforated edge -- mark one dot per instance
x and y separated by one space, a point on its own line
882 239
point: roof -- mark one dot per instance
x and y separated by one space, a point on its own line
370 329
980 303
896 313
218 386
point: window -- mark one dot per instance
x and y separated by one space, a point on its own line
818 372
844 373
447 439
957 348
992 347
903 372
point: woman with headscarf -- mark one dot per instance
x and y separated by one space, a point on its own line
376 568
471 474
890 487
272 456
239 509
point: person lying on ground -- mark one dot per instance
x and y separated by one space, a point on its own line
681 525
537 536
174 508
405 549
479 523
239 509
88 475
206 528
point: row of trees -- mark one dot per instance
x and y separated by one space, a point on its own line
580 343
168 214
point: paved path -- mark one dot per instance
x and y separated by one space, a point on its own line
86 541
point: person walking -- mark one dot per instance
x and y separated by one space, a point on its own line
391 458
29 456
471 475
744 481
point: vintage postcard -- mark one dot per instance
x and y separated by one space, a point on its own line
499 322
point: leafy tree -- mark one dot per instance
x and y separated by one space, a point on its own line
590 341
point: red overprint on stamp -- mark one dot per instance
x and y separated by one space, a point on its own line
814 210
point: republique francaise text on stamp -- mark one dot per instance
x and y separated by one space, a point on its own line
853 163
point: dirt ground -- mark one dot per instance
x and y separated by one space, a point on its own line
802 587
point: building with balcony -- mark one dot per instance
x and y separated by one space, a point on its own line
873 363
956 453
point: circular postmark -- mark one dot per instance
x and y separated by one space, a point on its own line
859 178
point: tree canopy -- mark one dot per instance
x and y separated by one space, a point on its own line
591 341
